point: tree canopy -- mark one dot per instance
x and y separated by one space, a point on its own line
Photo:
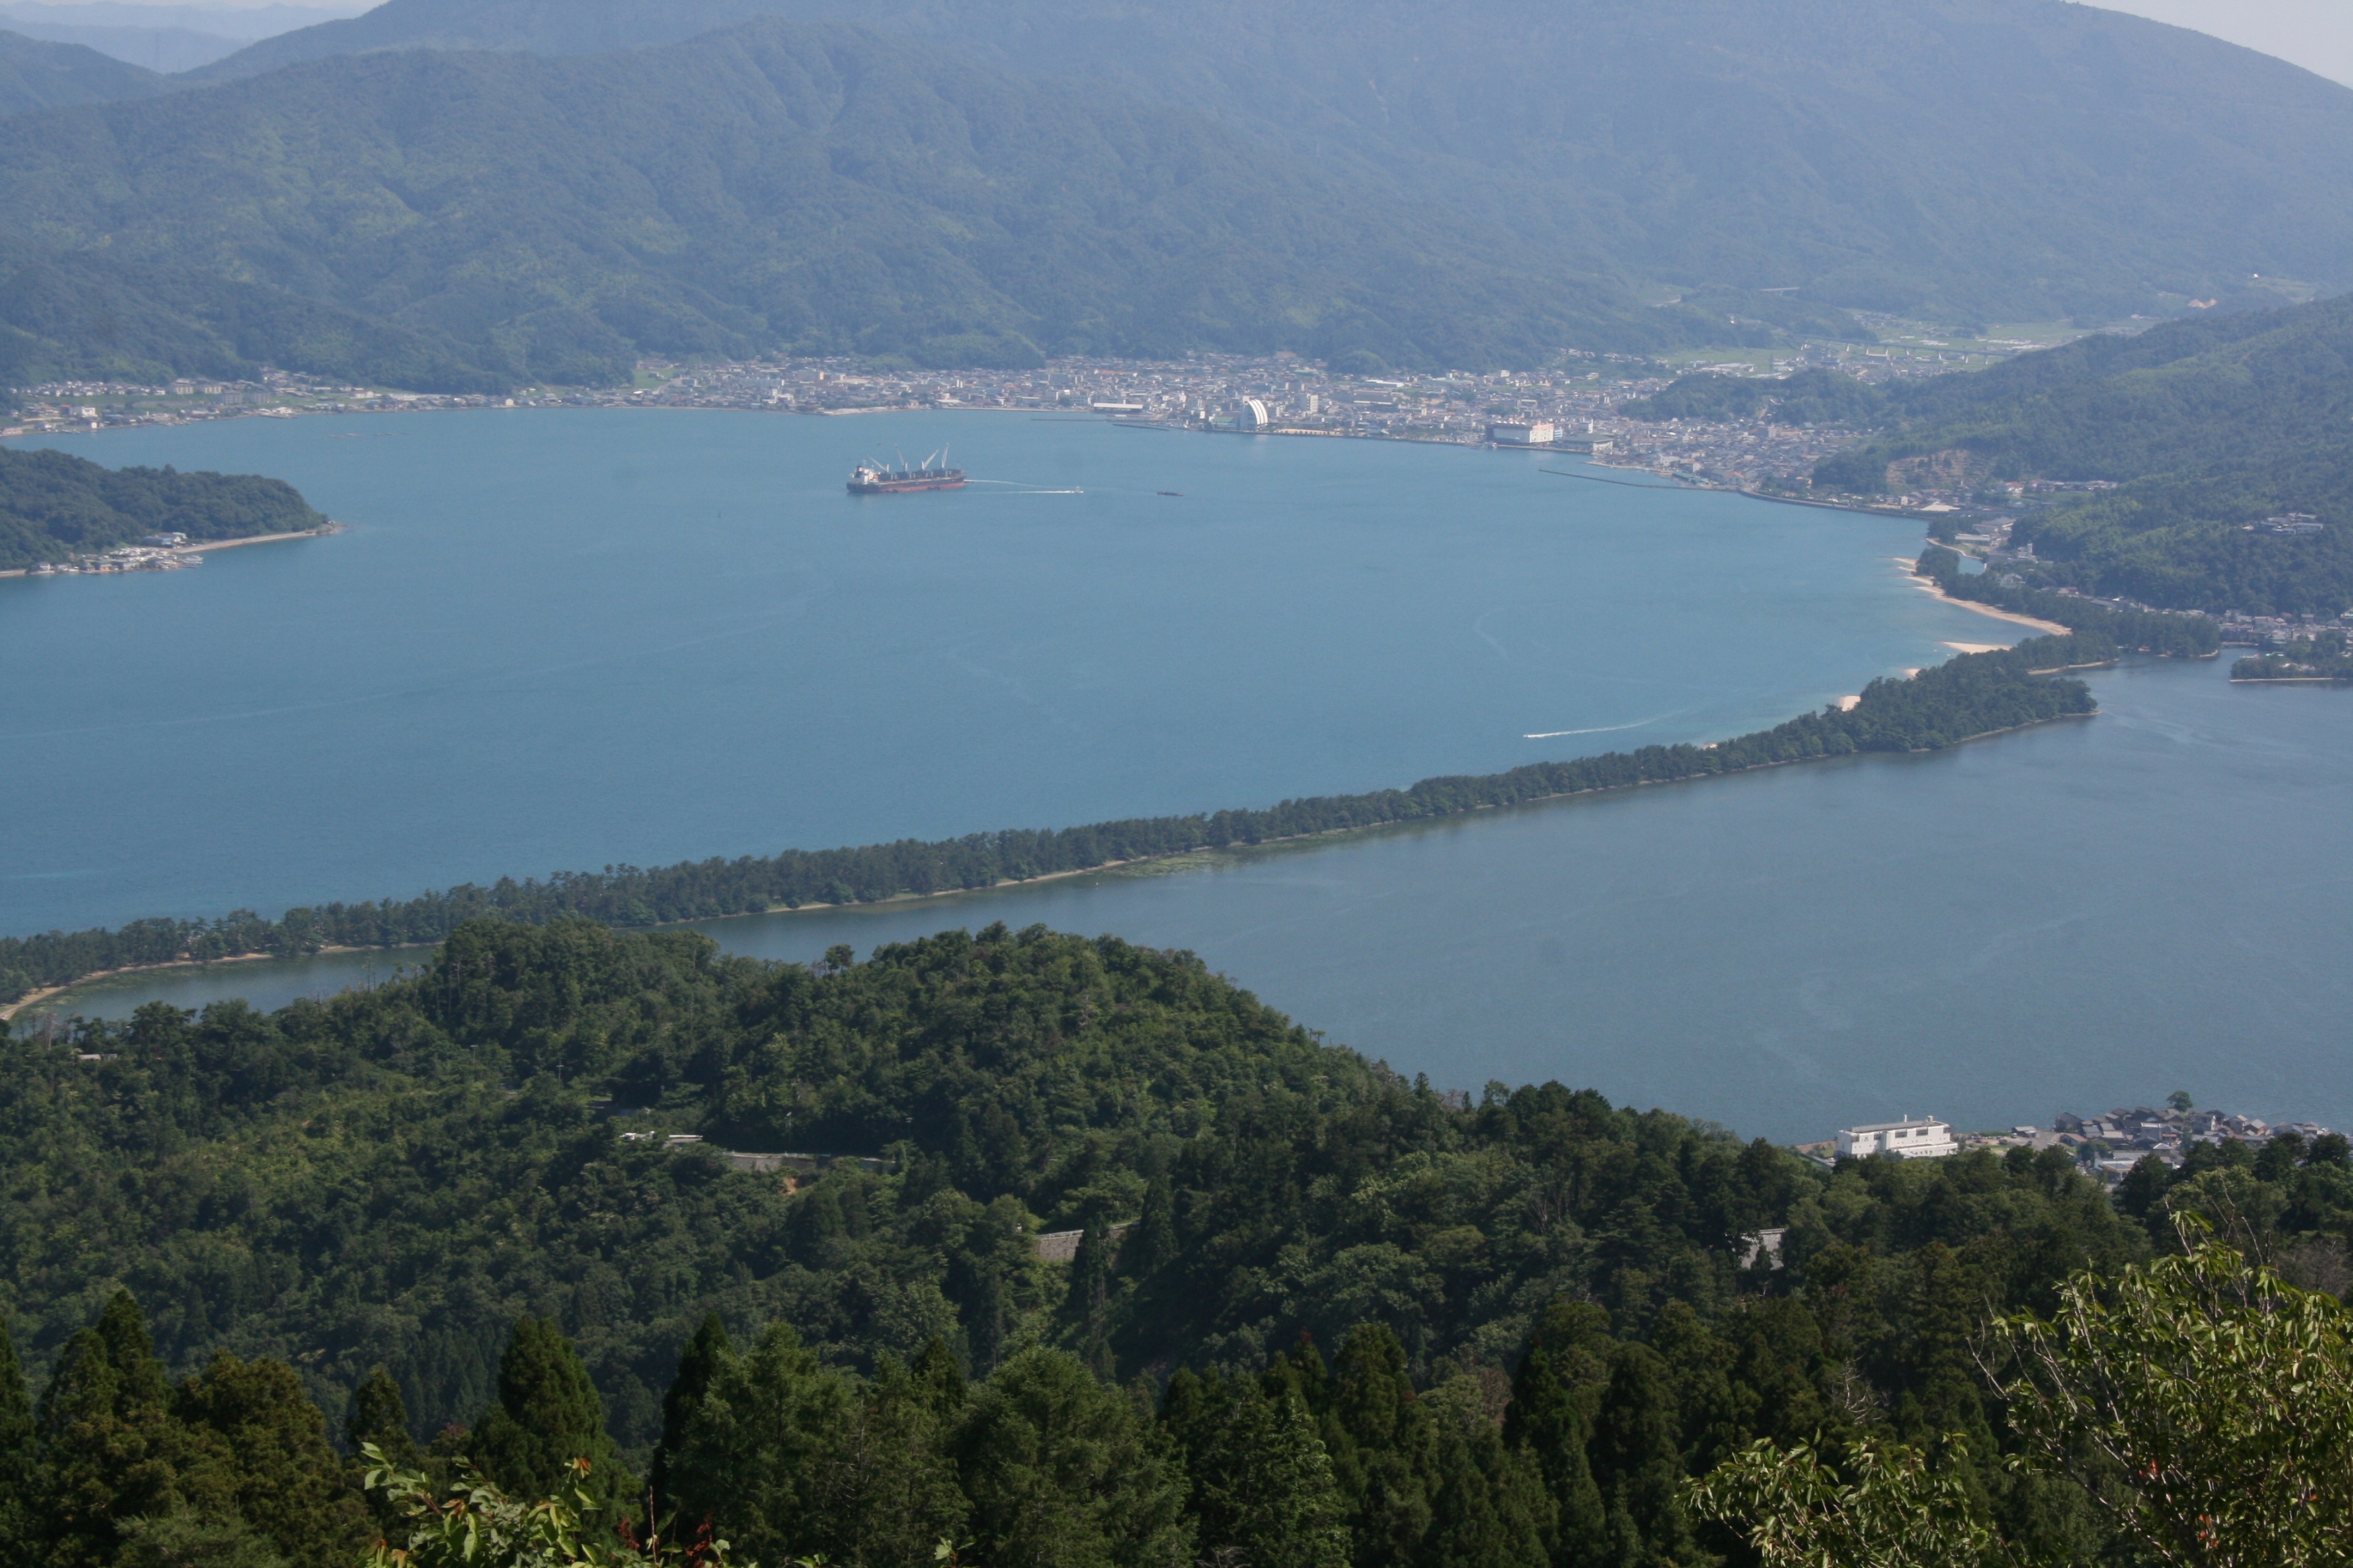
53 505
1331 1313
2205 428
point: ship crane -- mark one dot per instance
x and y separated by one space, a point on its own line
933 474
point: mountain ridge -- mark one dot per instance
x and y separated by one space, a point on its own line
37 74
1958 155
2206 427
814 188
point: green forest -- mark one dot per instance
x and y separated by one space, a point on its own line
2169 636
2081 162
1804 397
2206 427
1318 1315
984 180
2322 658
770 188
53 505
1972 695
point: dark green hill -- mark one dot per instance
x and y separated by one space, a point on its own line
36 74
1532 1285
53 505
815 188
2206 427
89 314
2020 158
349 1182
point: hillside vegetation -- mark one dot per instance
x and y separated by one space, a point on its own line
2205 426
1984 159
773 186
983 181
53 505
1489 1334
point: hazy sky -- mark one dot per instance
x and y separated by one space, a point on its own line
2315 33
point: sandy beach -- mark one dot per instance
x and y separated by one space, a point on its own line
1927 585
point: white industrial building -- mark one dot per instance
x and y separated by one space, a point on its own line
1927 1139
1514 434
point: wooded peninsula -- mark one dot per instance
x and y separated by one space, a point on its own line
53 505
1964 698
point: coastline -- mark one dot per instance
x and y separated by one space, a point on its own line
8 1010
206 547
31 999
1928 587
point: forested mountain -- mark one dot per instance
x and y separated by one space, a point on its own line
80 313
2207 427
2021 157
774 185
1527 1317
53 505
37 74
1006 178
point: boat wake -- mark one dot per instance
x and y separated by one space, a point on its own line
1022 487
1597 730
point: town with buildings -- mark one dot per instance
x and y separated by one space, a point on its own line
1572 409
156 553
2107 1146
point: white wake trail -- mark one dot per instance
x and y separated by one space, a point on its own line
1597 730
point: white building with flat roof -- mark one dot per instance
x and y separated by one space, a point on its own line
1927 1139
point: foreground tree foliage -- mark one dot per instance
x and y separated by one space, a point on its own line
1317 1315
2201 1403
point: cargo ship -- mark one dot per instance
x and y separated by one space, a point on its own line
931 474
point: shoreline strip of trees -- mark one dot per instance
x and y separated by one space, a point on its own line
1965 698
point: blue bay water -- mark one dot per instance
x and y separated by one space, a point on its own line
2074 916
559 641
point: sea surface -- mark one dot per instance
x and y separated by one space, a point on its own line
557 640
2089 913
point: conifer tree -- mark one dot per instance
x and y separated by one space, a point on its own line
892 1492
1636 1461
20 1482
1152 1246
1087 1307
547 1414
378 1414
1063 1472
1555 1395
265 1460
1391 1445
1262 1487
1488 1506
698 1364
938 1377
762 1455
111 1449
